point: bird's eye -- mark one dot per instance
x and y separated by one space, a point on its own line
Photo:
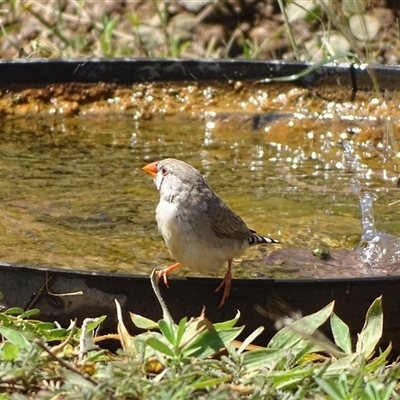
164 171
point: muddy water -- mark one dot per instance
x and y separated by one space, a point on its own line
73 194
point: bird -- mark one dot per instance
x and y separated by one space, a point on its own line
201 232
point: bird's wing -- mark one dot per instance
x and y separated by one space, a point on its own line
226 224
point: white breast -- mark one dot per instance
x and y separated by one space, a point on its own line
166 214
195 247
173 229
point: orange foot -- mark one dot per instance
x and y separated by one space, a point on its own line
165 272
226 284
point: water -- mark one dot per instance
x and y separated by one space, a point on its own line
74 195
377 250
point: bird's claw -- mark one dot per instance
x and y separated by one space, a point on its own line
226 284
165 272
164 275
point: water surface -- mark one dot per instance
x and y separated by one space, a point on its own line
74 194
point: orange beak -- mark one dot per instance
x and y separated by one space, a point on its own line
151 168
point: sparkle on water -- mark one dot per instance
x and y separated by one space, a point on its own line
74 195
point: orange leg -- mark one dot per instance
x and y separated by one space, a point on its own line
165 272
226 283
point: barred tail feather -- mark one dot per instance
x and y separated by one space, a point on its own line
257 239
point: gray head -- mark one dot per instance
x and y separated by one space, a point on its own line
175 178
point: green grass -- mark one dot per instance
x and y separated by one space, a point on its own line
196 359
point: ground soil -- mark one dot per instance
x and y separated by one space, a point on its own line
188 29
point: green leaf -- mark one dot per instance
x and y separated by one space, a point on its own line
7 320
341 333
143 322
160 346
140 347
10 351
378 361
205 344
255 359
292 335
371 332
228 335
104 21
14 311
180 331
209 342
331 388
45 326
166 329
245 46
57 334
349 362
293 377
379 391
78 380
250 339
203 384
97 356
30 313
14 337
219 326
111 26
91 326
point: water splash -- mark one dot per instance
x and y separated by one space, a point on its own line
376 249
